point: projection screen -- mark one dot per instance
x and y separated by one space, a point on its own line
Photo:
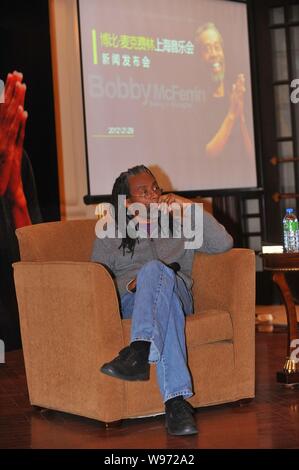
167 83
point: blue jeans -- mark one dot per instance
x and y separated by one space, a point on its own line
158 311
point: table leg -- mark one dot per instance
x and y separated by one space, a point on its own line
290 373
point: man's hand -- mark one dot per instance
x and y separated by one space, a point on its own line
15 190
172 197
12 119
241 89
132 285
236 108
15 186
12 131
165 201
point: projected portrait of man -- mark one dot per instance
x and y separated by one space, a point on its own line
226 127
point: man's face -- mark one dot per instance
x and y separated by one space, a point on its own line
211 51
144 189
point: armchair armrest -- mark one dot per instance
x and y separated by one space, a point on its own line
70 325
221 280
226 281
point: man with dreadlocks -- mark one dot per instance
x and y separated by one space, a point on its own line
153 278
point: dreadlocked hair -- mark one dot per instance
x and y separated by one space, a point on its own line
121 187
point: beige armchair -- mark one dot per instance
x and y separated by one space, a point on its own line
70 326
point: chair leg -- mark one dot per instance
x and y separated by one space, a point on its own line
39 408
113 424
244 401
107 426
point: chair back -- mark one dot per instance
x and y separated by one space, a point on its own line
70 240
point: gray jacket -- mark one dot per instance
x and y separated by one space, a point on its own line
168 250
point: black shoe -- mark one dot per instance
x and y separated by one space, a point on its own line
128 365
179 417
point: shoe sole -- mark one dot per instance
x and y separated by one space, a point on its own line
131 378
189 432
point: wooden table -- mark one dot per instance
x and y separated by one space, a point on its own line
279 263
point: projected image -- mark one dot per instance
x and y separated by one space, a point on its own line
226 104
168 84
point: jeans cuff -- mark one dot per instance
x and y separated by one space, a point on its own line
184 393
140 338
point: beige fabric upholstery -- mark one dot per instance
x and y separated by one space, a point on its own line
70 326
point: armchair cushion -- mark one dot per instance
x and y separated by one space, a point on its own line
204 327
